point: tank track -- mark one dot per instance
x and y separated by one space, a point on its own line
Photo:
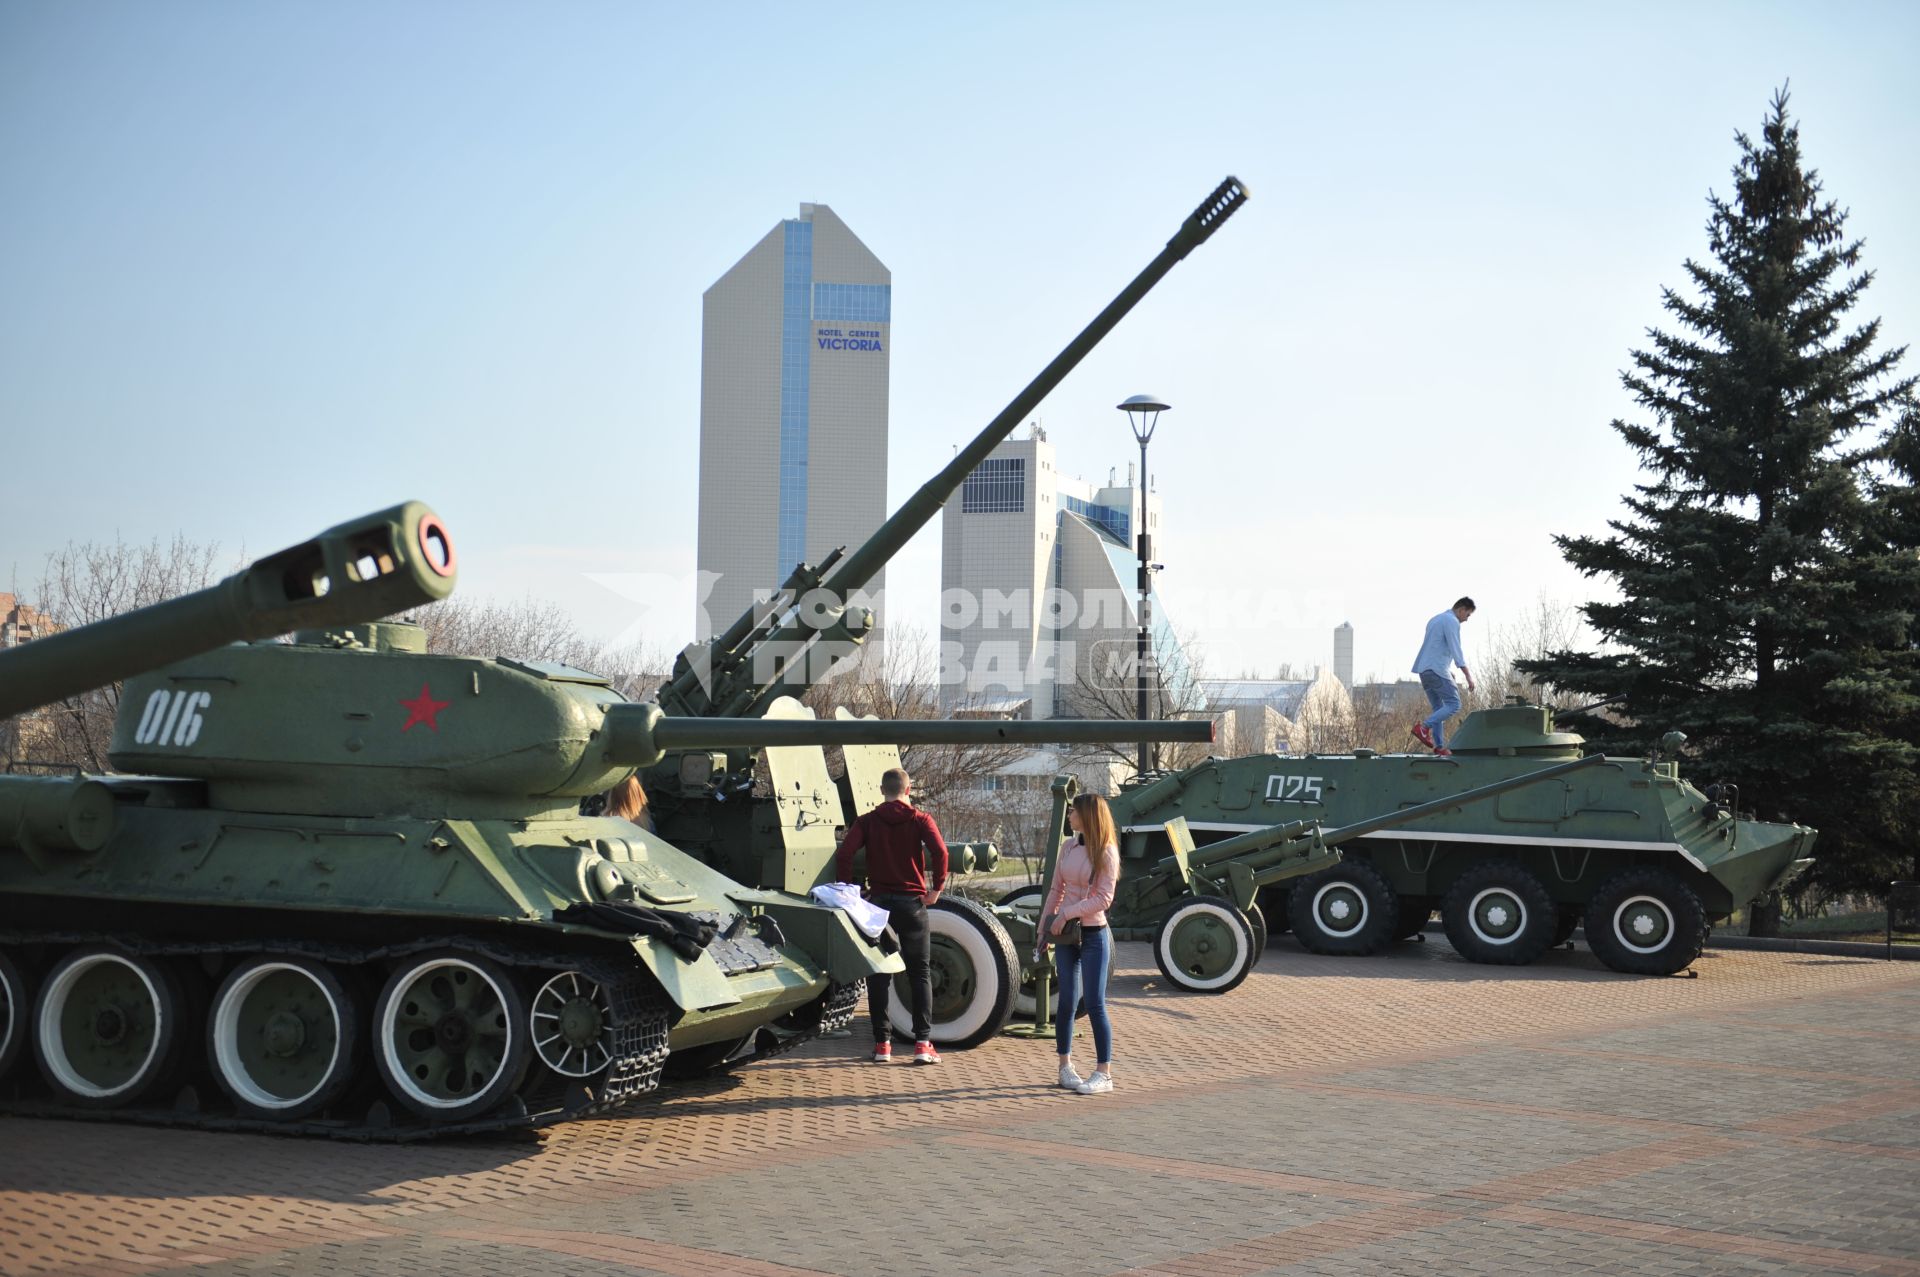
838 1007
640 1039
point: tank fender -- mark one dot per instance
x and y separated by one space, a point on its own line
690 986
829 937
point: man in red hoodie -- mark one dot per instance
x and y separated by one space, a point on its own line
906 870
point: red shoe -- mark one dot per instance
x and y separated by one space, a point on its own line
1443 753
923 1053
1421 734
883 1052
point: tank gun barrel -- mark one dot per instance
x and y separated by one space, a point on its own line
358 571
640 735
721 678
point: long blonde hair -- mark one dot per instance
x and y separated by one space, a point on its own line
1096 827
628 801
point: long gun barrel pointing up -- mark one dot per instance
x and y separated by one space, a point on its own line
721 679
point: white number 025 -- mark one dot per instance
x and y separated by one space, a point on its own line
1293 789
171 718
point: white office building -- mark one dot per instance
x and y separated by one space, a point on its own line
794 349
1039 600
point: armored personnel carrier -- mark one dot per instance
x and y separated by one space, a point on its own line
346 888
1646 859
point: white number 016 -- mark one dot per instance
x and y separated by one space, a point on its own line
171 718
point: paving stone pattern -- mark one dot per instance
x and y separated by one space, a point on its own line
1410 1113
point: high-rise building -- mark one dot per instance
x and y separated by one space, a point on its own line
1039 589
794 346
1343 654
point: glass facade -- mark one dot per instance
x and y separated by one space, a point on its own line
1118 522
796 305
854 303
999 486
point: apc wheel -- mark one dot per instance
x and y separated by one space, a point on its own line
1257 919
572 1026
283 1037
1414 913
16 1012
450 1038
1498 913
1646 922
1563 929
1347 910
1205 945
975 972
108 1027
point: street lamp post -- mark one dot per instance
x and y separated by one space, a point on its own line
1143 415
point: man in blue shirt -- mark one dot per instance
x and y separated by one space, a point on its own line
1439 653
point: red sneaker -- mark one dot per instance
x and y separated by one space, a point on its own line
923 1053
883 1052
1443 753
1421 734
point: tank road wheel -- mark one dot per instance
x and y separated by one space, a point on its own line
16 1011
1563 929
1346 910
1646 922
1257 919
108 1027
283 1037
1498 913
450 1036
572 1026
1205 945
975 972
1414 913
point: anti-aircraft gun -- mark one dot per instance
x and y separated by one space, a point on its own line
346 888
806 629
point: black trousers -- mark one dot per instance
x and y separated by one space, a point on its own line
909 917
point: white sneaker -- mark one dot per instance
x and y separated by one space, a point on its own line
1097 1084
1069 1080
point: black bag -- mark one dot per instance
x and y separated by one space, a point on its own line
1069 934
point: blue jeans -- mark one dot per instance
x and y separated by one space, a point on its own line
1445 699
1081 970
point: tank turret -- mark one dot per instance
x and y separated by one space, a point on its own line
360 570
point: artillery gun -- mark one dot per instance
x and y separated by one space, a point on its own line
1646 859
349 891
782 832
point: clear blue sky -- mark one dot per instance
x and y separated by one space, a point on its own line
264 266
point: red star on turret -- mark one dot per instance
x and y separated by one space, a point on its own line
423 710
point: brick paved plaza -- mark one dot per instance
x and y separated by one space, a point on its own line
1409 1113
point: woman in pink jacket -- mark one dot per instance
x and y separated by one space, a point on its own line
1083 883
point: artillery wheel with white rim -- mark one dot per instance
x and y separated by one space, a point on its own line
1032 895
572 1024
1646 921
1257 919
109 1027
1205 945
1347 910
975 974
16 1012
450 1035
1498 912
283 1037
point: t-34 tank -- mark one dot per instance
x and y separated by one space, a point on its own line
350 891
1649 861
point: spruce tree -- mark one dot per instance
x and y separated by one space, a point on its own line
1767 568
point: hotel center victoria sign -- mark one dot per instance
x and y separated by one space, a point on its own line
848 338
